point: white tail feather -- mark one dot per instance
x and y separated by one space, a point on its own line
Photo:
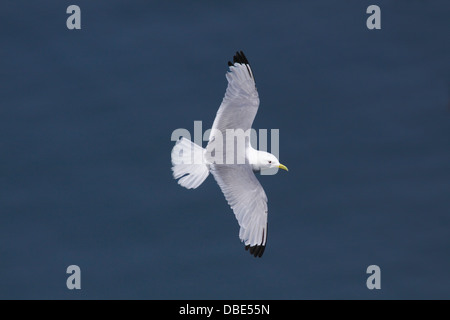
188 164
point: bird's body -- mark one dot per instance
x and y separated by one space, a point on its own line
231 158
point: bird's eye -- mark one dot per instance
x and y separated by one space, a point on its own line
270 161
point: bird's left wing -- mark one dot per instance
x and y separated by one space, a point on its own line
248 200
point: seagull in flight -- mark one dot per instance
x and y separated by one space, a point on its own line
191 163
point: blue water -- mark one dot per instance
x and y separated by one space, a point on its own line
85 123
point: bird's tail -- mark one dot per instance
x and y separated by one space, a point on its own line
188 163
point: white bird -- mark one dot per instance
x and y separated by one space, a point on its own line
237 181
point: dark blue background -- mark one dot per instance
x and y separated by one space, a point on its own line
85 123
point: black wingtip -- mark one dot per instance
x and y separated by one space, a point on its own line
257 251
240 57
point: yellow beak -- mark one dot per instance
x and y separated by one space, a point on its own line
283 167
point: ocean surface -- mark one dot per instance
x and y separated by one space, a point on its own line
86 118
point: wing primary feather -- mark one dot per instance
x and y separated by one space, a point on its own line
244 58
240 57
247 64
235 59
261 251
258 250
248 70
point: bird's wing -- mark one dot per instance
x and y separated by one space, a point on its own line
241 101
248 200
242 190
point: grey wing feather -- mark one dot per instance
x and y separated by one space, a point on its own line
241 101
248 200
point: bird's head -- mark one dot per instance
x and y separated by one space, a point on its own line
268 161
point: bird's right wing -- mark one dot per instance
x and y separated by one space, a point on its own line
240 103
248 200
